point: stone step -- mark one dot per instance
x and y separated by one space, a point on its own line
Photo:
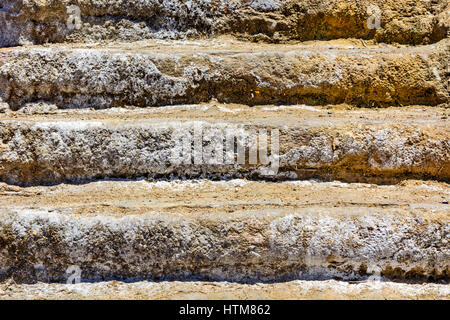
233 230
402 21
154 73
223 141
124 197
176 290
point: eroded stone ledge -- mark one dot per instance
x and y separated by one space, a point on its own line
49 152
260 245
402 21
153 74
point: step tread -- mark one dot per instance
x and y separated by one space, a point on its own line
327 290
215 112
196 197
226 45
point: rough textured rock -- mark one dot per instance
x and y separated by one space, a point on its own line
152 74
46 151
403 21
259 245
82 151
327 290
235 229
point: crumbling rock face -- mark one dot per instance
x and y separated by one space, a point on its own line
314 243
159 74
54 152
402 21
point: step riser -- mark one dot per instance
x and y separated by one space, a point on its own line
136 221
177 290
406 21
263 245
108 78
54 152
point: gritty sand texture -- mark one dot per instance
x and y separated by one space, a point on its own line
176 290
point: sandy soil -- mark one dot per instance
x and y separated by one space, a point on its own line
193 197
325 290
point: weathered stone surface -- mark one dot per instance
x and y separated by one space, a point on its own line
133 220
152 73
377 149
81 159
262 245
199 196
326 290
403 21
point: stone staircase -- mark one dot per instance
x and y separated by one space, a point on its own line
224 149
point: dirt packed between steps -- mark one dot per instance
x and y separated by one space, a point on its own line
197 197
327 290
212 111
